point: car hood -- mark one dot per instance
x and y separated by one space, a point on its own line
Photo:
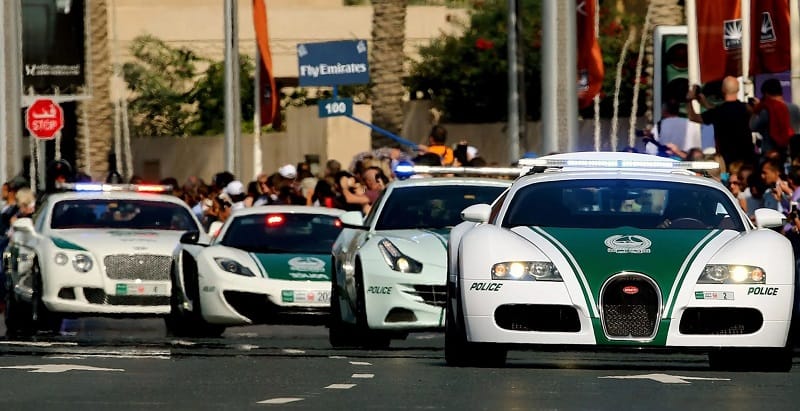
296 267
664 255
420 244
118 241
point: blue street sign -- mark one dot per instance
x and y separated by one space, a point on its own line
333 63
335 107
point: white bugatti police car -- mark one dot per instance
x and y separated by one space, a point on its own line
619 250
390 267
268 264
100 250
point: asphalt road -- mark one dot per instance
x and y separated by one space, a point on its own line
102 364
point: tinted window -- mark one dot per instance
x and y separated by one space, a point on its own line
431 206
283 233
128 214
617 203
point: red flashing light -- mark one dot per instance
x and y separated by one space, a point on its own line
151 188
274 220
337 223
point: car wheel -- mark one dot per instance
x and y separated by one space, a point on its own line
339 333
458 352
17 315
749 359
42 318
369 339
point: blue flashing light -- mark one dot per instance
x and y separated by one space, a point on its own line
404 169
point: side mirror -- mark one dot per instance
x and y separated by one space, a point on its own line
23 225
769 218
352 219
190 237
477 213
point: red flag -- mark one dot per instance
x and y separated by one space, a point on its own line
590 58
268 93
770 41
719 37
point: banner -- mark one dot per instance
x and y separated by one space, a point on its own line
53 49
590 58
719 37
770 39
269 93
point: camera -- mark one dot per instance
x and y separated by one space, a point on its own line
792 212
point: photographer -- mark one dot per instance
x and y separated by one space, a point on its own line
673 134
778 193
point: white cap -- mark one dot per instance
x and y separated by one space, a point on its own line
234 188
288 171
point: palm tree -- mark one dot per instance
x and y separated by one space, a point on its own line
96 114
386 66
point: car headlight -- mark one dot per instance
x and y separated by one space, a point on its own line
732 274
526 271
60 259
234 267
397 260
82 263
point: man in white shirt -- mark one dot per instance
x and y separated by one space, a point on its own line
674 129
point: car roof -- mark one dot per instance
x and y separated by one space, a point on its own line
288 209
450 181
114 195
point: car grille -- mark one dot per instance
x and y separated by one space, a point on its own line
138 267
630 304
721 321
435 295
98 296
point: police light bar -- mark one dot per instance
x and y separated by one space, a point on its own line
105 187
444 170
627 164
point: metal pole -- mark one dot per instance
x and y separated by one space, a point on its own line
233 127
3 97
794 28
512 131
12 130
257 165
746 41
570 71
549 77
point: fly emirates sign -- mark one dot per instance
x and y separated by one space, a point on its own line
333 63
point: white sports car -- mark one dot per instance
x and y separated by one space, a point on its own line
96 251
390 268
619 250
268 264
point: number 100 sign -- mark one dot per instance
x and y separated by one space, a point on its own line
335 107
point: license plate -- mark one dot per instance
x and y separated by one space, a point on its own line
141 289
305 296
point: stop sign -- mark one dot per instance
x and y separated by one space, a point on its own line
44 118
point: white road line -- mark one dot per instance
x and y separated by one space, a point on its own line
39 344
362 376
337 357
359 363
285 400
247 347
340 386
293 351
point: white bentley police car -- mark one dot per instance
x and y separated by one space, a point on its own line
619 250
268 264
389 269
101 249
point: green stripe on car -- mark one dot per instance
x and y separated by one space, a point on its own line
66 245
293 267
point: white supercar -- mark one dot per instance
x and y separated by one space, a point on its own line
102 250
619 250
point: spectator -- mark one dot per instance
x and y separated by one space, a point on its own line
266 194
778 192
325 196
773 118
352 193
752 197
375 181
252 193
236 194
733 138
436 145
673 129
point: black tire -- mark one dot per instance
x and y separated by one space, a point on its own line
18 316
458 352
340 334
183 323
368 339
42 318
751 359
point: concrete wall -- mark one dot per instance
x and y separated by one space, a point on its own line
335 137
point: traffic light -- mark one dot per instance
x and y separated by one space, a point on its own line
671 67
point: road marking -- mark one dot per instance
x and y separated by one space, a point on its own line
293 351
285 400
247 347
362 375
340 386
182 342
110 355
39 344
53 368
665 378
359 363
424 337
337 357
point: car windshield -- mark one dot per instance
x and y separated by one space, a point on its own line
125 214
283 233
434 206
616 203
